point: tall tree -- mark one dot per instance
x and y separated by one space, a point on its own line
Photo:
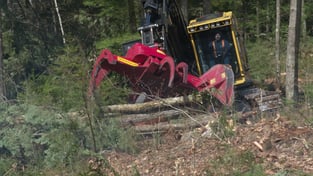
60 20
2 84
303 16
267 24
293 50
277 42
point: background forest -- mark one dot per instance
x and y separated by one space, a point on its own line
47 49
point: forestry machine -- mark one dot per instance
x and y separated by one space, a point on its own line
172 59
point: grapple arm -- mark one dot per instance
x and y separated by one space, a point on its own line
153 72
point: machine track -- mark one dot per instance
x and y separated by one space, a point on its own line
255 103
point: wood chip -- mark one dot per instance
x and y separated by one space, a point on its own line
258 145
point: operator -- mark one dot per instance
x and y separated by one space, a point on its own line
219 51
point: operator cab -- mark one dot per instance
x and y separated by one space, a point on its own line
202 32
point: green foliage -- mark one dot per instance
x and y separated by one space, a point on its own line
6 165
308 95
40 138
110 135
64 87
65 84
225 5
63 147
106 7
98 20
113 90
29 40
261 60
305 73
16 137
236 163
114 44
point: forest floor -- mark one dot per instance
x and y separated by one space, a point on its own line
270 146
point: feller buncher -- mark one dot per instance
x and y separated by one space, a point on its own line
172 59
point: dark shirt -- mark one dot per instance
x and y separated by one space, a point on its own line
219 52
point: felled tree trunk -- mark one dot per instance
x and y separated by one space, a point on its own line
163 127
152 118
160 115
151 105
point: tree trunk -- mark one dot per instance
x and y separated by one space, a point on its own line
257 9
132 16
303 16
207 8
277 43
164 127
60 20
2 84
184 8
293 51
151 105
268 20
149 118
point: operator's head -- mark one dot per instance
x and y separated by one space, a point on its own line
217 36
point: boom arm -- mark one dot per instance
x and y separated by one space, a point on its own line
165 28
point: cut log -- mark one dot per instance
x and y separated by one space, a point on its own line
163 127
152 105
151 118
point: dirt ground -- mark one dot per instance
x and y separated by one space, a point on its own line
271 146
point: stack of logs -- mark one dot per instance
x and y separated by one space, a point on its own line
161 115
